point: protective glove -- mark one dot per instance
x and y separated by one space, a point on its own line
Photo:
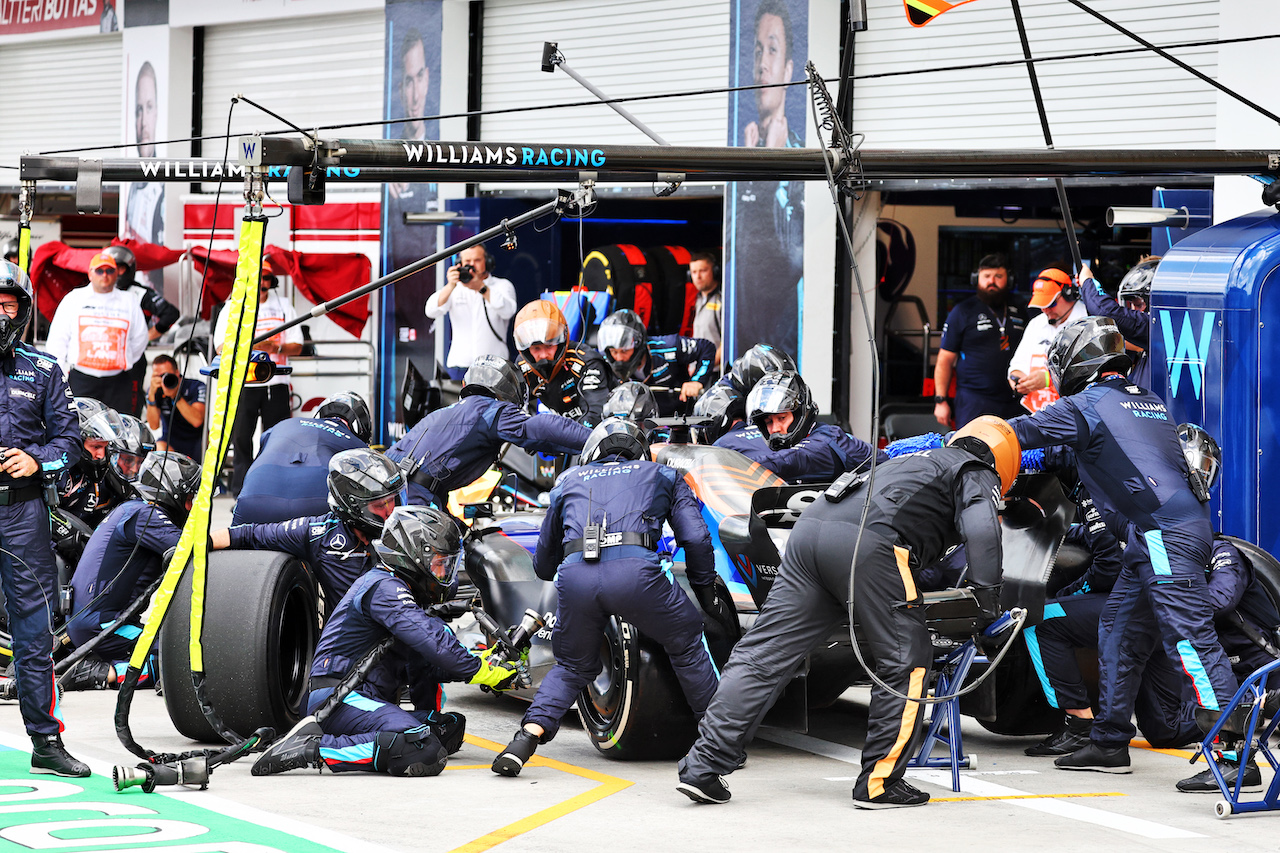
988 598
714 606
494 675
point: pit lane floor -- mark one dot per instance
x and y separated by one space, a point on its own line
794 793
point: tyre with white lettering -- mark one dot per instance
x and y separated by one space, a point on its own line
261 626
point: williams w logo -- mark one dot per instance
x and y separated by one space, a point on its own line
1186 350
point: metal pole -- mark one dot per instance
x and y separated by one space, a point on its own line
1067 222
556 60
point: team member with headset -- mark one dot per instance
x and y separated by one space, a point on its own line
921 505
569 379
39 439
418 555
451 447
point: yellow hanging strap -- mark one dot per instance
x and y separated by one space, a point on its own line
242 317
24 247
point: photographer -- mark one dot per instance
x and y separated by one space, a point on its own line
170 390
480 310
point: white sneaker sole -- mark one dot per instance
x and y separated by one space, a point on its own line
696 794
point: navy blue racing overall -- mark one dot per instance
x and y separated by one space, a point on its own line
821 456
289 477
673 361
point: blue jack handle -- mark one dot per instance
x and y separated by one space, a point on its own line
1002 624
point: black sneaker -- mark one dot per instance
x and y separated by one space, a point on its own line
449 728
512 759
1073 735
709 789
50 756
901 794
88 674
297 750
1100 758
1204 783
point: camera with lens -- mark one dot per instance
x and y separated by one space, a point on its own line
170 381
466 272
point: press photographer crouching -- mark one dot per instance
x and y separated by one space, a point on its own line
170 391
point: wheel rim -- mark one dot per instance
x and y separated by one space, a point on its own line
605 693
295 642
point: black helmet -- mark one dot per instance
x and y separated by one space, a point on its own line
778 392
615 437
352 409
127 450
97 423
126 265
422 546
753 364
624 330
494 376
358 478
14 280
632 401
1082 350
1204 458
1136 283
9 250
169 479
724 406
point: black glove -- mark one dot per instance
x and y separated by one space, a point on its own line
988 598
713 605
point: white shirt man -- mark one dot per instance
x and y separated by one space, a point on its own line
1028 369
97 334
479 309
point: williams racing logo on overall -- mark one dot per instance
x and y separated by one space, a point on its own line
1188 349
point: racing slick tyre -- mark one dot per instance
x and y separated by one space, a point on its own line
1020 706
261 625
635 709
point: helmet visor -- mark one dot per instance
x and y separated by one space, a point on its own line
126 465
444 568
618 337
768 399
539 330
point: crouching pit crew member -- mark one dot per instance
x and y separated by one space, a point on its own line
597 541
569 379
418 556
668 361
122 559
921 505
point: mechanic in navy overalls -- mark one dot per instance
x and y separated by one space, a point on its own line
451 447
568 378
1130 460
1131 309
798 448
287 478
418 555
598 542
667 361
920 505
102 479
123 558
39 440
363 488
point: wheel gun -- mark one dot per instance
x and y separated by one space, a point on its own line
512 647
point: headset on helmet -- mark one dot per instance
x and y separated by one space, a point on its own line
494 376
753 364
13 280
359 477
724 406
624 330
422 547
1082 351
126 264
992 440
615 437
632 401
169 480
129 449
778 392
541 322
97 423
352 409
1204 458
1136 283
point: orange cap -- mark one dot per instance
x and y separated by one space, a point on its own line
267 269
101 260
1047 287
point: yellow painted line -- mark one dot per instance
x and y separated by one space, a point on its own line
1025 797
608 786
1187 754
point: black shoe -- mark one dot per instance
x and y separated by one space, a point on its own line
1073 735
50 756
709 789
1204 783
297 750
1099 758
88 674
449 728
512 759
899 795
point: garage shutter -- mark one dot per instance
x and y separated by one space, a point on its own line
314 71
624 48
61 94
1127 101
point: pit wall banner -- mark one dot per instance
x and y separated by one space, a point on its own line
764 220
412 89
146 79
36 16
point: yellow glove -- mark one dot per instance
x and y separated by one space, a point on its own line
495 676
